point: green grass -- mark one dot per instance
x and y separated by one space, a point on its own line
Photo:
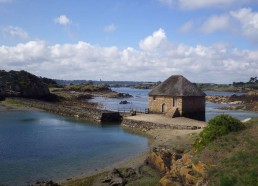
87 181
13 102
236 156
151 177
144 181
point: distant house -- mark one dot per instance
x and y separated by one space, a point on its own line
177 97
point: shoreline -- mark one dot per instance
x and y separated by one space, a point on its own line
168 138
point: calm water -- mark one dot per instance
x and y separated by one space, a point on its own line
139 101
39 146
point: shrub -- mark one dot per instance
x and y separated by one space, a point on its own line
218 126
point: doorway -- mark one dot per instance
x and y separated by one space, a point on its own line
164 108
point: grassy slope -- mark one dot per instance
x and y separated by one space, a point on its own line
233 158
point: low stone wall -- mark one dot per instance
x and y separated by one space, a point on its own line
145 126
87 113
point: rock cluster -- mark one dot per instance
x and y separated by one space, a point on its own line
177 169
22 84
217 99
45 183
119 95
117 178
124 102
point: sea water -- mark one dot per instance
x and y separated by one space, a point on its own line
139 101
42 146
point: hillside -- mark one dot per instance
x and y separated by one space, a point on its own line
22 84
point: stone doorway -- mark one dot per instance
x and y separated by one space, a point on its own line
164 108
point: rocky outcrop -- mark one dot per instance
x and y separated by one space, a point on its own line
23 84
124 102
217 99
177 169
119 178
2 94
79 112
45 183
120 95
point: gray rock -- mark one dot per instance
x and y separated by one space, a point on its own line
124 102
117 181
129 173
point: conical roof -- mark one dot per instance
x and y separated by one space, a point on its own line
177 85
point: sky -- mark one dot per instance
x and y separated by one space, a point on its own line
213 41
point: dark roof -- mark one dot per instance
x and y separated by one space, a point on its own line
176 86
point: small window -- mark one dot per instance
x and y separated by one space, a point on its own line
174 101
154 97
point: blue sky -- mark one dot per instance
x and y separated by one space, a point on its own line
206 41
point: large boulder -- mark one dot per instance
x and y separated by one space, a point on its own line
23 84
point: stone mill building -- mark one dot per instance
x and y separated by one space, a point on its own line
178 97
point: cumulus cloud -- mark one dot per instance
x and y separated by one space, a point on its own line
248 21
62 20
243 22
15 32
83 60
153 42
110 28
216 23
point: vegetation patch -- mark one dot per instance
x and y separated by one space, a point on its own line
218 126
87 87
233 158
87 181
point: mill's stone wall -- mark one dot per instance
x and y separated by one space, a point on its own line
194 107
156 103
191 107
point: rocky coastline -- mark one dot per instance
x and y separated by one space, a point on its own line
247 102
83 111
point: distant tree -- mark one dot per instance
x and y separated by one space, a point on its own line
253 80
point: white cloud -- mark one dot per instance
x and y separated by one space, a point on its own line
248 21
154 41
168 3
186 27
15 32
202 4
62 20
216 23
243 22
218 63
110 28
